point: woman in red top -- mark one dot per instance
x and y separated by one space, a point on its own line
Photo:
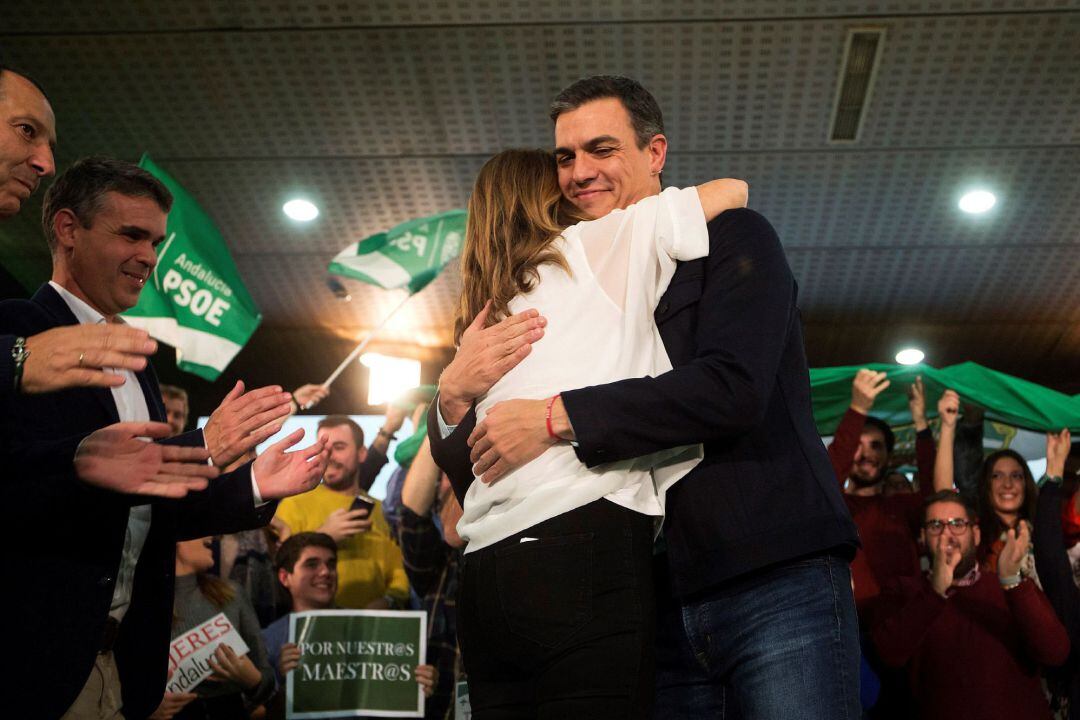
1007 496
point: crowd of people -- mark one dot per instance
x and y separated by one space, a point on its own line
772 578
957 620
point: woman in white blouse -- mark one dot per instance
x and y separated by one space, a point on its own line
556 586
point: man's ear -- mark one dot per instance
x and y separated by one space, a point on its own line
361 454
657 154
283 577
65 225
976 534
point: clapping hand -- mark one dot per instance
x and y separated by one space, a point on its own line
945 557
280 474
1017 543
243 420
117 458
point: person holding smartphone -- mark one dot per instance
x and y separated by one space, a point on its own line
371 574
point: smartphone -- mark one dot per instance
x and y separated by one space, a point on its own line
363 501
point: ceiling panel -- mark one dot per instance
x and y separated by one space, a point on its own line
383 111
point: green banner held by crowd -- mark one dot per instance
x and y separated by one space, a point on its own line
356 662
194 300
409 255
1007 399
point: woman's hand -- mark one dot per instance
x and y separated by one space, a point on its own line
227 665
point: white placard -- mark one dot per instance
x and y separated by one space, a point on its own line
190 651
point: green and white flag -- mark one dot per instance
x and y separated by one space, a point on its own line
409 255
194 300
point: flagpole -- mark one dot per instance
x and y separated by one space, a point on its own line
363 344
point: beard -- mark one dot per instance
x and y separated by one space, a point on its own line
863 481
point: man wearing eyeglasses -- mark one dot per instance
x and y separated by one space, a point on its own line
973 643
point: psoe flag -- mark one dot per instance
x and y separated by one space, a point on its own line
195 300
409 255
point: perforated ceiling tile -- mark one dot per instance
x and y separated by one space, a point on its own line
383 111
438 91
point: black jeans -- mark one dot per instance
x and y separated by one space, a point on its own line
563 626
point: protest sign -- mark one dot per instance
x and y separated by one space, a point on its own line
356 662
190 651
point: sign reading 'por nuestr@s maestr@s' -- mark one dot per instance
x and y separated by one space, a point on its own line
356 662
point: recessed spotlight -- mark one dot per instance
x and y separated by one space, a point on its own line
977 201
910 356
301 210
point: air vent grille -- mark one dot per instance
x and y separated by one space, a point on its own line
862 53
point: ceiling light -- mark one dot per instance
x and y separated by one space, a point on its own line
301 210
390 377
910 356
977 201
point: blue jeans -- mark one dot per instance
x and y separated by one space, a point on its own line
782 643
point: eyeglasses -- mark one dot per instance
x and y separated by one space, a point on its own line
957 526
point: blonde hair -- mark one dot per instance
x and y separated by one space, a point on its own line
515 212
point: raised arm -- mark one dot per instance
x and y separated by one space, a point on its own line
865 388
948 410
719 195
1051 560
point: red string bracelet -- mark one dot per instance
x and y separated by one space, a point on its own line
547 416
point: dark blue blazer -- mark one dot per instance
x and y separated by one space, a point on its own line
64 540
765 492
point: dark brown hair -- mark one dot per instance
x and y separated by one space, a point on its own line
990 523
290 551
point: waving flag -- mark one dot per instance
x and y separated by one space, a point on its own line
409 255
195 300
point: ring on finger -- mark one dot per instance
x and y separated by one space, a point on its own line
82 356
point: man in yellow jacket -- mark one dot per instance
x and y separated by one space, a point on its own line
370 570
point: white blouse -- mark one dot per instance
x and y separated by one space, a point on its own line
600 329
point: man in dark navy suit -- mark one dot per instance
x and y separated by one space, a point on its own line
27 137
755 612
91 622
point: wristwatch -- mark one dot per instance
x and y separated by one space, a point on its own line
387 435
19 353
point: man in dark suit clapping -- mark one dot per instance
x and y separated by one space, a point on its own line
92 628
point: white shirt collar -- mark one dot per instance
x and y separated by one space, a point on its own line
85 314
